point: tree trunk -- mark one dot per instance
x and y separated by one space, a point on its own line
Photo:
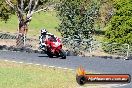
22 32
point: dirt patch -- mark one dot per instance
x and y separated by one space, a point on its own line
8 42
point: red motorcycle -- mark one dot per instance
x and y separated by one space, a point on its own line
54 47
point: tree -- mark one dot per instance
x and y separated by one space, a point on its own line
24 9
5 11
77 22
77 17
105 12
120 30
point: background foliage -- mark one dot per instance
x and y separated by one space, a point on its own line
5 10
85 17
120 26
77 17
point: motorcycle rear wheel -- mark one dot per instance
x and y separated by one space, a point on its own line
62 54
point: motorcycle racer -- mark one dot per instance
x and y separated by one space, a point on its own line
44 36
51 45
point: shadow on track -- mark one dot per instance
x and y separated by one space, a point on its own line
42 56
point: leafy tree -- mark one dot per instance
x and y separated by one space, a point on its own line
77 17
24 9
120 30
5 10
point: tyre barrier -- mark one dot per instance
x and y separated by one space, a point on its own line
23 49
68 53
29 50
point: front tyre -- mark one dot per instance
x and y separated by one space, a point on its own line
62 54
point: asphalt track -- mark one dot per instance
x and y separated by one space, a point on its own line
90 64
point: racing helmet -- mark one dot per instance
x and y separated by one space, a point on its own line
43 31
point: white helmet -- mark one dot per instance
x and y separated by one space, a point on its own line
43 31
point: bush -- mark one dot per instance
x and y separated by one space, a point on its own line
77 17
120 30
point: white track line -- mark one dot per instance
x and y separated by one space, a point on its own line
59 67
65 68
29 63
5 60
119 85
20 62
14 61
37 64
40 65
51 66
110 85
45 65
103 86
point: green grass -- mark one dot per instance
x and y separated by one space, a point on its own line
14 75
46 20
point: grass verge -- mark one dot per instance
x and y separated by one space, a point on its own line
13 75
40 20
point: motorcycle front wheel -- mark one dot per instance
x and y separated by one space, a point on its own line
62 54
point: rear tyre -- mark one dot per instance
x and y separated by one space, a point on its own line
62 54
